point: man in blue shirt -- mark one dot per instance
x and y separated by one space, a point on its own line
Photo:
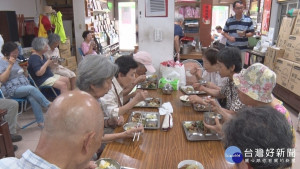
238 28
178 34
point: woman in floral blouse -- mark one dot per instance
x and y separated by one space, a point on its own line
230 62
255 86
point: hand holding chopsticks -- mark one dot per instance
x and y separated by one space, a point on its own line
139 124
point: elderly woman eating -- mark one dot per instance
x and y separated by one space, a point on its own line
39 67
255 86
88 45
56 68
229 61
95 74
114 101
15 83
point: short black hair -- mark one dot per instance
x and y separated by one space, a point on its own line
8 47
231 56
125 63
85 33
211 55
260 128
218 27
236 2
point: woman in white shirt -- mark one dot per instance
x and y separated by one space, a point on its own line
56 68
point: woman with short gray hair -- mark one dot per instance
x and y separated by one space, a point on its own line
94 72
38 67
56 68
94 75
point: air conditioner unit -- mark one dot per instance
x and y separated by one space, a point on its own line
156 8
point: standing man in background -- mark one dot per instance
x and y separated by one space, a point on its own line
178 34
238 28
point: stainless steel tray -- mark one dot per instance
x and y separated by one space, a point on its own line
189 90
198 134
150 83
147 103
200 107
150 120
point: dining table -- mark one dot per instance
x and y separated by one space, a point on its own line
158 149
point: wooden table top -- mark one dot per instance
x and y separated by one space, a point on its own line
157 149
191 55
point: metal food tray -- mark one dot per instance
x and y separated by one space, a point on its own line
185 91
141 85
198 136
147 103
148 121
205 109
200 108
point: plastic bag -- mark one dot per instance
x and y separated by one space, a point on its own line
173 70
163 81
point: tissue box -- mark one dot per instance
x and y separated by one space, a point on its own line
174 83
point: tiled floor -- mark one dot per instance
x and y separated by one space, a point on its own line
32 133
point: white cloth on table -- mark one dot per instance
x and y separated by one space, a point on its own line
165 108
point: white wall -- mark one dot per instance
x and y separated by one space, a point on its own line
274 20
160 51
79 23
26 7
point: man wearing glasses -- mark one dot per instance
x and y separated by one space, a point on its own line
238 28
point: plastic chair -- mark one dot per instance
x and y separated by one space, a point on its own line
81 52
22 107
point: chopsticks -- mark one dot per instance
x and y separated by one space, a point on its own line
139 133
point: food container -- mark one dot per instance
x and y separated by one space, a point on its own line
239 31
189 90
129 125
209 117
202 82
150 120
23 62
104 163
184 99
150 103
196 131
150 83
190 164
167 89
201 107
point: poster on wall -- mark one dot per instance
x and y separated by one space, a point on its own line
206 13
266 17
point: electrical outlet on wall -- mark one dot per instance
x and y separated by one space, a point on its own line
158 35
